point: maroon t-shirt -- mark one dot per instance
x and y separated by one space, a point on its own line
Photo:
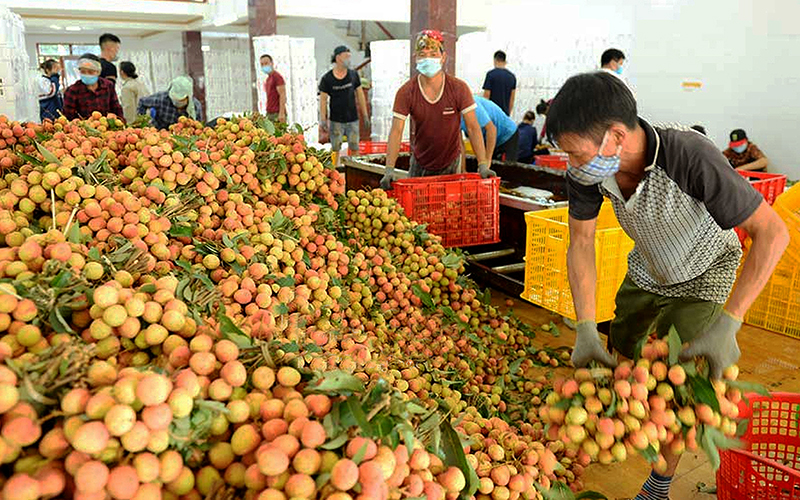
274 80
437 124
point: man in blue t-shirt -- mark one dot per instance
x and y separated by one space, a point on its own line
500 84
499 131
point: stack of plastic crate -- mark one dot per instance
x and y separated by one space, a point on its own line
18 80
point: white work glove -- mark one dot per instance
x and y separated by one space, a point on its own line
717 344
388 177
485 171
588 346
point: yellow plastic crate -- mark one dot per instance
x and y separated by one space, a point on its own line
788 207
777 308
546 281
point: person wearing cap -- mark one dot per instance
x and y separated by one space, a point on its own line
165 108
675 196
341 87
275 89
499 130
436 103
744 155
91 93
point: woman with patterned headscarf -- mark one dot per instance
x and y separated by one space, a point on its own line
165 108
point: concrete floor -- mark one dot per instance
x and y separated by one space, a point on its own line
770 359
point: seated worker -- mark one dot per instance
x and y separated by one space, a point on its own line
528 138
166 107
435 101
744 155
499 131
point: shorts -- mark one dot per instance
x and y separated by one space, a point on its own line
339 130
639 312
510 148
415 170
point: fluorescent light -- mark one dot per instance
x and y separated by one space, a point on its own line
55 27
205 48
73 28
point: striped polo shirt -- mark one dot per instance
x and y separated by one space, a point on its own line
680 217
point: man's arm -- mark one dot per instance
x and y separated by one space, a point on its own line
487 94
511 101
581 269
476 137
145 103
770 238
281 102
362 103
323 109
392 150
491 139
762 162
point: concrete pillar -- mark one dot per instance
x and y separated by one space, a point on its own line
437 15
263 22
193 55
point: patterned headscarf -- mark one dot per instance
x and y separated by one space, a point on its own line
181 88
429 39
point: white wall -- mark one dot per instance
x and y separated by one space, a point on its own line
326 38
746 55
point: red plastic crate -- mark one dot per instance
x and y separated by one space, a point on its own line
769 466
379 147
461 208
769 185
558 162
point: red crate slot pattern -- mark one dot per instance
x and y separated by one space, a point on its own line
552 161
377 147
769 466
769 185
462 208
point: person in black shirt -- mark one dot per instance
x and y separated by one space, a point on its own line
500 85
528 138
342 87
109 49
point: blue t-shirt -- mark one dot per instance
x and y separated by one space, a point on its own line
486 112
500 82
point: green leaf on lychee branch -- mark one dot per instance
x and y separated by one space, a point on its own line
48 155
233 333
454 456
181 230
423 296
335 383
710 447
703 392
650 454
557 491
674 342
36 162
746 387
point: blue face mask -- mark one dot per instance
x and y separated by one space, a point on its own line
598 168
266 69
618 70
740 149
89 79
429 66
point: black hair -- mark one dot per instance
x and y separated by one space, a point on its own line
500 56
541 108
588 104
265 55
108 37
129 69
48 64
699 128
91 56
529 116
611 55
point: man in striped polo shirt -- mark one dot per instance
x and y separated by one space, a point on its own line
676 196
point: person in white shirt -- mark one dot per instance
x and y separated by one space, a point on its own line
51 102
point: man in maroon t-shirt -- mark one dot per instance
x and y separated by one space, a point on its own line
275 87
435 102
